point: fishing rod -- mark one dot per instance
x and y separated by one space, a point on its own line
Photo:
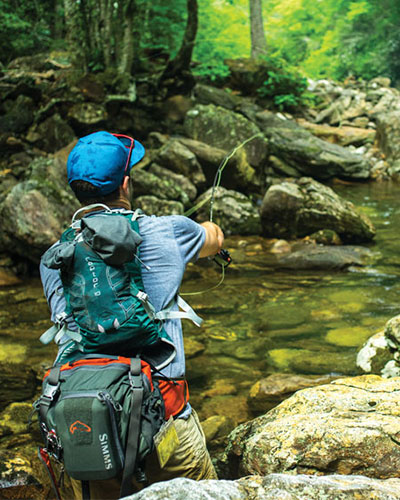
223 257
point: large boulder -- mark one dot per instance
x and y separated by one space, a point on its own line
151 205
34 212
376 356
226 130
207 94
301 153
388 130
350 104
301 207
232 211
178 158
274 487
236 174
344 136
87 117
247 74
350 426
18 115
164 184
51 134
381 353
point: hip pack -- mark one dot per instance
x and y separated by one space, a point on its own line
100 267
99 415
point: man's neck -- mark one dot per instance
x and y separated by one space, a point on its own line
120 202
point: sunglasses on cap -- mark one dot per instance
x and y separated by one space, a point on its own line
129 143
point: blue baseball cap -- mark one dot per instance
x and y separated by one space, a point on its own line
102 159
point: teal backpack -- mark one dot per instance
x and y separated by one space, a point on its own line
99 261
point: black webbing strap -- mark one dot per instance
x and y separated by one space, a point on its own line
45 459
132 444
52 386
85 490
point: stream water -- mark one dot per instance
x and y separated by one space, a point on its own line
262 319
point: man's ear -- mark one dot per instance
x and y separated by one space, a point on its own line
125 185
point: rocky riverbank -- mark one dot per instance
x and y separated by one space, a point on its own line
278 172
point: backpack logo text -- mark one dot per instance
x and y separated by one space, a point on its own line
105 451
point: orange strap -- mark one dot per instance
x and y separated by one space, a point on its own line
175 394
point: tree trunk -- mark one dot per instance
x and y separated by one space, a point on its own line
58 20
106 30
181 62
126 58
258 40
75 34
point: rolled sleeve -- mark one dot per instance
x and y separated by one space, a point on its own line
190 237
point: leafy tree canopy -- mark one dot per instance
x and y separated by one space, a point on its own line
321 38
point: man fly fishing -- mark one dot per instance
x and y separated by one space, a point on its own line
98 171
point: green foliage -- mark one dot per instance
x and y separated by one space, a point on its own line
337 38
216 74
161 24
284 85
321 38
24 29
223 34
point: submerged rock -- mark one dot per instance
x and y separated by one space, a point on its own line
325 257
302 207
7 277
21 382
17 479
294 360
349 426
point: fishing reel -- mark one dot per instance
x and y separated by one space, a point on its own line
223 258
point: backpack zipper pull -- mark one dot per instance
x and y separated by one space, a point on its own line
143 264
107 399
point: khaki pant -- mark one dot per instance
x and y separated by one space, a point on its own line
191 459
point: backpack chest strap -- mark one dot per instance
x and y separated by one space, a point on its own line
186 312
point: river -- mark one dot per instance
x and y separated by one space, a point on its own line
261 319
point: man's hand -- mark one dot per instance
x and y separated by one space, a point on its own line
214 239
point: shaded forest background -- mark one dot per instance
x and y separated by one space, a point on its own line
307 38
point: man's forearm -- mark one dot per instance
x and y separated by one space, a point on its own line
214 239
